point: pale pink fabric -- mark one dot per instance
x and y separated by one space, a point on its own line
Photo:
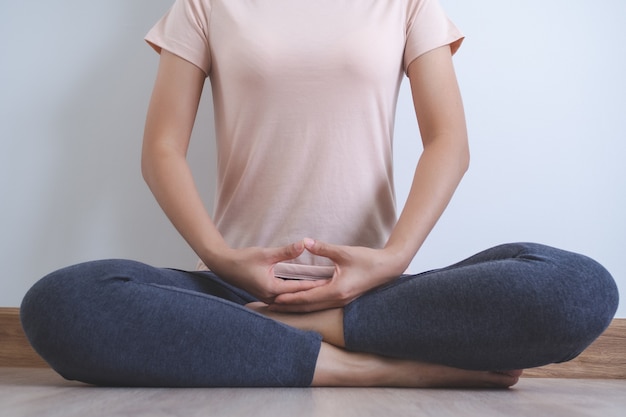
304 95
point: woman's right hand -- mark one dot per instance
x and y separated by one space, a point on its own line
252 269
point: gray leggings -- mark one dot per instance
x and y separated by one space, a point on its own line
123 323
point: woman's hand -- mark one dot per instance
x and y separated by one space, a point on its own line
252 269
357 270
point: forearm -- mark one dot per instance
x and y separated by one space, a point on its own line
437 175
441 118
170 179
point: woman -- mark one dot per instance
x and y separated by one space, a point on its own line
301 281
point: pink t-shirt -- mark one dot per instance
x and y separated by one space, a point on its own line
304 95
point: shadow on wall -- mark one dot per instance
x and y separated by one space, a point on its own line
89 200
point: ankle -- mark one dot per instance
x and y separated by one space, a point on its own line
338 367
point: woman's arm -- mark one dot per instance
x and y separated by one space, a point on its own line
170 120
169 123
445 159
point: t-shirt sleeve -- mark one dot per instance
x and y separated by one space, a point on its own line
428 28
183 31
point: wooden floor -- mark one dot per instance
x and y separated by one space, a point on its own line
40 392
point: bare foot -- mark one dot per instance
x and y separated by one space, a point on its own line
440 376
337 367
328 323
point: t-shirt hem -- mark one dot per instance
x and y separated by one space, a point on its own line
454 43
177 49
293 271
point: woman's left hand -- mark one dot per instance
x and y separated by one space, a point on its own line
357 270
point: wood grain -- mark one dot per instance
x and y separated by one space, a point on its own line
14 347
604 359
40 392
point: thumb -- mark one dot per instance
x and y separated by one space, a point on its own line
285 253
323 249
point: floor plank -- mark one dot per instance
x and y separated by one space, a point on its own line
33 392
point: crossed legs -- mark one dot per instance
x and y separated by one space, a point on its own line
473 324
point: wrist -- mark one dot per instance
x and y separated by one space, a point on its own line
213 255
397 258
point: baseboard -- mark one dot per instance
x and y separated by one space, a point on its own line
605 358
14 347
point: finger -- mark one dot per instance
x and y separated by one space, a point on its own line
297 303
288 252
315 299
327 250
295 286
302 308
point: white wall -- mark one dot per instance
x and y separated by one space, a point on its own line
544 92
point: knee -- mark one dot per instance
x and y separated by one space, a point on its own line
43 304
588 301
67 288
596 290
55 311
582 285
43 313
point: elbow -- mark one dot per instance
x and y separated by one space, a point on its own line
145 166
148 165
464 159
463 151
459 153
158 161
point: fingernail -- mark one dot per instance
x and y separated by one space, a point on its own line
308 243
